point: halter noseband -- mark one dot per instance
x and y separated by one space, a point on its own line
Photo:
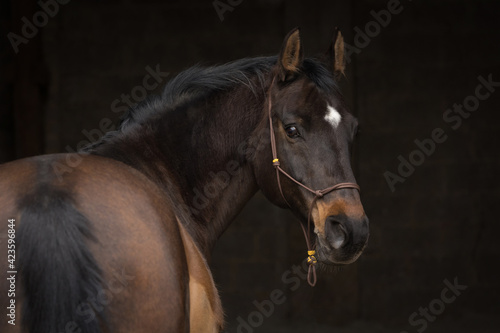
311 259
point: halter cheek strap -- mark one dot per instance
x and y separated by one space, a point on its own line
311 259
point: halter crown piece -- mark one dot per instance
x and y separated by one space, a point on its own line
311 259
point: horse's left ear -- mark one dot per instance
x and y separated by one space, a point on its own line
335 56
291 56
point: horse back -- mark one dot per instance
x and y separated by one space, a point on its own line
125 227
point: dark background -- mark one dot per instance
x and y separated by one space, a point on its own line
439 224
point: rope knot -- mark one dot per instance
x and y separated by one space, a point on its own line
318 193
311 259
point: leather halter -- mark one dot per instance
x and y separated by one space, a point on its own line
311 259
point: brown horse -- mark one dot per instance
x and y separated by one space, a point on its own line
117 237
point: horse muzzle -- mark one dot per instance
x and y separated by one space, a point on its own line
343 239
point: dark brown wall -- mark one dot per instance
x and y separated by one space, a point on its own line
439 224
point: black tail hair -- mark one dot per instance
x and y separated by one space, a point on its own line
56 268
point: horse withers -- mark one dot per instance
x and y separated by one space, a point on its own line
119 241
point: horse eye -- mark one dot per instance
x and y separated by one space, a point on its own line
292 132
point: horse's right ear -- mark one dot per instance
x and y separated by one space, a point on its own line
335 57
291 56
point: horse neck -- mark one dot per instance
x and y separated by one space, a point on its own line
198 154
217 180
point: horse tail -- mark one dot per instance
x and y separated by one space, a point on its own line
57 271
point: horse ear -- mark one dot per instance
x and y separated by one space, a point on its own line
291 56
335 55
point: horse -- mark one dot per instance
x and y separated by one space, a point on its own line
117 237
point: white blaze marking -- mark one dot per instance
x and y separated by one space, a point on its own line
332 116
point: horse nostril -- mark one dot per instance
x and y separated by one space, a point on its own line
336 234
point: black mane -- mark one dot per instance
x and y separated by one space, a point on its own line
197 82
